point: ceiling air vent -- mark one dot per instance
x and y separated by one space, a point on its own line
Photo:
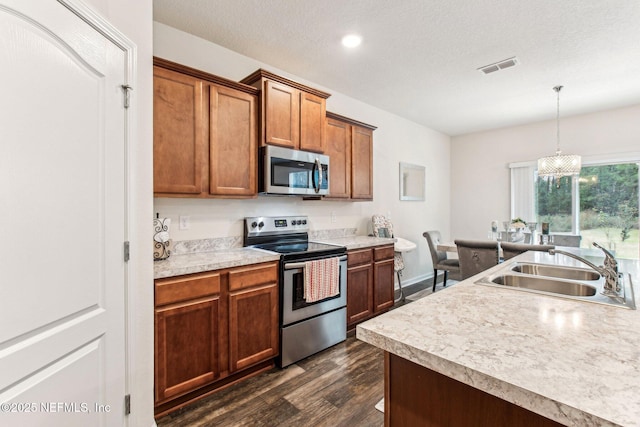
500 65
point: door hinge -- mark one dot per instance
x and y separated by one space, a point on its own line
127 404
127 253
127 89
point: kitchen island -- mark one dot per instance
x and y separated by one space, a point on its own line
497 356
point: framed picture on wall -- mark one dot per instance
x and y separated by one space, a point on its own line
412 182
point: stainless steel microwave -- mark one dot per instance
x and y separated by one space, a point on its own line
293 172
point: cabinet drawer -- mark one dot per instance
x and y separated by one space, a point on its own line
383 252
253 276
359 257
185 288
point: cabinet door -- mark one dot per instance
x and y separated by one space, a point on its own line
187 346
362 163
281 115
312 122
359 295
253 326
178 133
338 148
233 143
383 287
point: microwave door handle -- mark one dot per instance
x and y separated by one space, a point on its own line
319 182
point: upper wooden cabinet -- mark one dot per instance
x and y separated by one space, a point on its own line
292 114
205 134
349 145
178 133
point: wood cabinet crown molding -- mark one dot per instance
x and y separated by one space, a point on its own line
264 74
349 120
174 66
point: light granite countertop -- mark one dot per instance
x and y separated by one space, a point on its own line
188 263
213 254
355 242
574 362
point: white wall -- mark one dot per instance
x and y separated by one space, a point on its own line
134 20
479 161
396 140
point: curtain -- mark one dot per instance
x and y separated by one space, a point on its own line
523 190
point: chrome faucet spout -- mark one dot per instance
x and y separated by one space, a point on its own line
597 268
609 270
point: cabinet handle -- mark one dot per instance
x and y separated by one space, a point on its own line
294 265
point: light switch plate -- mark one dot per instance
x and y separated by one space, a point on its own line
185 222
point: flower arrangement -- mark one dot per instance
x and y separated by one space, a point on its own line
518 223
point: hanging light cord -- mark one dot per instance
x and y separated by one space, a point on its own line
557 89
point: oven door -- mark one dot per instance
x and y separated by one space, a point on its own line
294 172
294 307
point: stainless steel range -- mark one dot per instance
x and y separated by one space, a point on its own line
305 327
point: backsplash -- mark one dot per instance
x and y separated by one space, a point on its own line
206 245
332 234
232 242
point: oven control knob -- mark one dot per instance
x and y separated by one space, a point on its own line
254 224
261 224
304 222
296 222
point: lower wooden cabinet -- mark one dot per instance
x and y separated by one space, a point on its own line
186 361
253 317
370 285
211 328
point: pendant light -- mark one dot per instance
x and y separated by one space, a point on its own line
560 164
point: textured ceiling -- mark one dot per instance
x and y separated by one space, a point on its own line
419 58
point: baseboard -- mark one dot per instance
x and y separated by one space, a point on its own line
412 281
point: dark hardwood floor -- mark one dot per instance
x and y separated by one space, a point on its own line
336 387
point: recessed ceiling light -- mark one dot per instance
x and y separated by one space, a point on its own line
351 40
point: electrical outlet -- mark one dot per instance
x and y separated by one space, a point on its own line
185 222
333 216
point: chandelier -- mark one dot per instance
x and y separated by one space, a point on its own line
560 164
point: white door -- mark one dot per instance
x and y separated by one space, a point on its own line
62 219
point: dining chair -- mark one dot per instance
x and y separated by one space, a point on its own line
476 256
440 260
572 240
509 250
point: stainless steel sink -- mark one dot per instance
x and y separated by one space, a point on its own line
573 273
574 283
545 284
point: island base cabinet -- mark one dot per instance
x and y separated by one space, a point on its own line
417 396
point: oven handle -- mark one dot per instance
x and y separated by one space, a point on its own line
294 265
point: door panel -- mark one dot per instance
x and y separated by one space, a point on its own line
62 172
233 142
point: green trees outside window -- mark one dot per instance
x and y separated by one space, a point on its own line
602 207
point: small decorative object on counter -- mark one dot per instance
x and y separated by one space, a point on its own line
545 228
533 228
161 240
494 226
518 223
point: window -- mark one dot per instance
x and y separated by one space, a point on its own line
601 205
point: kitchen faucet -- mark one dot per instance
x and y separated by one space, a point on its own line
609 270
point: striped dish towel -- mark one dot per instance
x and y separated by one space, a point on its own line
321 279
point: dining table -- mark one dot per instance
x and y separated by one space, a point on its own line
588 252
